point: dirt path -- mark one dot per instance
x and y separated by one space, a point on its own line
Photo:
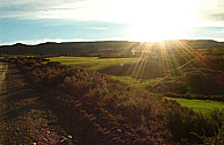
23 118
3 71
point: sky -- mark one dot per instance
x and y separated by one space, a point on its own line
35 21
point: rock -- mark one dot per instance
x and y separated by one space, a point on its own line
69 136
63 140
119 130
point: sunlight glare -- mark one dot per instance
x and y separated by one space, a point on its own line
163 20
153 32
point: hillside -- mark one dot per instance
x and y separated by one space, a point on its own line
79 48
73 48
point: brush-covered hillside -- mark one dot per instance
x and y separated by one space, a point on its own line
121 48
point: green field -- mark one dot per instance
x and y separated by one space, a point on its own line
93 63
203 106
136 83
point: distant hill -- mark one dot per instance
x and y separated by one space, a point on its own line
78 48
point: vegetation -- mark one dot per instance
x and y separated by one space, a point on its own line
128 114
93 63
182 80
201 106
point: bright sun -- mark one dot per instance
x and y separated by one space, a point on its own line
156 33
160 20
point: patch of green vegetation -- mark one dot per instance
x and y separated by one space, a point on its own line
93 63
142 83
203 106
120 68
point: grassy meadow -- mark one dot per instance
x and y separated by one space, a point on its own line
93 63
119 68
98 64
203 106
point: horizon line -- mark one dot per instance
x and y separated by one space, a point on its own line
102 40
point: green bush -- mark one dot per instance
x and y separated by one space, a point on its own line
178 87
204 83
19 61
218 137
29 62
174 86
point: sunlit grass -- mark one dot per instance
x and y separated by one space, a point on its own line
204 106
93 63
141 83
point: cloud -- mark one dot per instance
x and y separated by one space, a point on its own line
218 17
60 9
222 31
95 28
191 12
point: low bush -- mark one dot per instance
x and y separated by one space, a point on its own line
30 62
182 122
205 83
174 86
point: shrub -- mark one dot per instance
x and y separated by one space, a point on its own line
204 83
19 61
217 139
173 95
176 86
183 121
30 62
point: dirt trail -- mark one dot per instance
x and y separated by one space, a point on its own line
23 117
3 71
